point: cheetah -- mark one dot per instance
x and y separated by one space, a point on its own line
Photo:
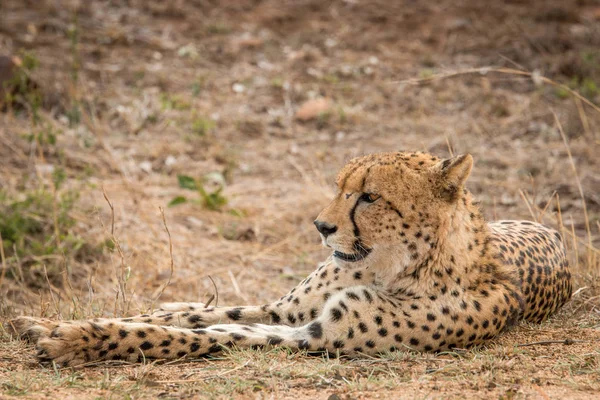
414 265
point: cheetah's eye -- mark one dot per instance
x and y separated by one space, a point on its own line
369 197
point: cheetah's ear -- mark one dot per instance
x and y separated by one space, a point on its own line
453 173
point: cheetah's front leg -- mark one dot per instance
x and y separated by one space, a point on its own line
342 326
86 341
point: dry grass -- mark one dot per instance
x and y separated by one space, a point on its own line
193 89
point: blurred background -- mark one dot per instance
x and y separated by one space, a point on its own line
234 116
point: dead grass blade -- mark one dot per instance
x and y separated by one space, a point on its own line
236 286
122 275
527 203
566 342
172 262
3 257
112 213
543 211
499 70
579 187
55 302
214 296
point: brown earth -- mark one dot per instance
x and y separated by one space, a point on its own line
139 92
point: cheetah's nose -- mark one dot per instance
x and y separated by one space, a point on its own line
325 228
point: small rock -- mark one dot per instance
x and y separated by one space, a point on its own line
346 70
250 42
315 73
170 161
330 42
457 23
294 149
267 66
188 50
195 221
44 168
311 109
238 88
146 166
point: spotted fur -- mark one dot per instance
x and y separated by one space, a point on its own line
414 265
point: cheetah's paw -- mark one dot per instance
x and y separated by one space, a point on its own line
66 345
29 328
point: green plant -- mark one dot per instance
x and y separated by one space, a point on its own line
212 200
201 126
37 234
218 28
45 136
21 89
197 86
277 83
169 102
426 73
561 93
587 87
323 119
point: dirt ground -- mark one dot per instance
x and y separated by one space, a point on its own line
133 94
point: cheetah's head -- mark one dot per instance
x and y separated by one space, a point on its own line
390 207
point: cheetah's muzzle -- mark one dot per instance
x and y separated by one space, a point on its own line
361 253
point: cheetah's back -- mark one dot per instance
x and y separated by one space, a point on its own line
539 256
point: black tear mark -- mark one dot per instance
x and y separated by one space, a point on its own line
352 214
397 212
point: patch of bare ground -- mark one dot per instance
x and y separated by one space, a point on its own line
122 97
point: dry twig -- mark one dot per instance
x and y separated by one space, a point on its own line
547 342
214 296
578 181
121 276
172 263
499 70
3 257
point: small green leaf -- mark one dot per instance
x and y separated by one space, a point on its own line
110 244
58 177
187 182
177 200
236 212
